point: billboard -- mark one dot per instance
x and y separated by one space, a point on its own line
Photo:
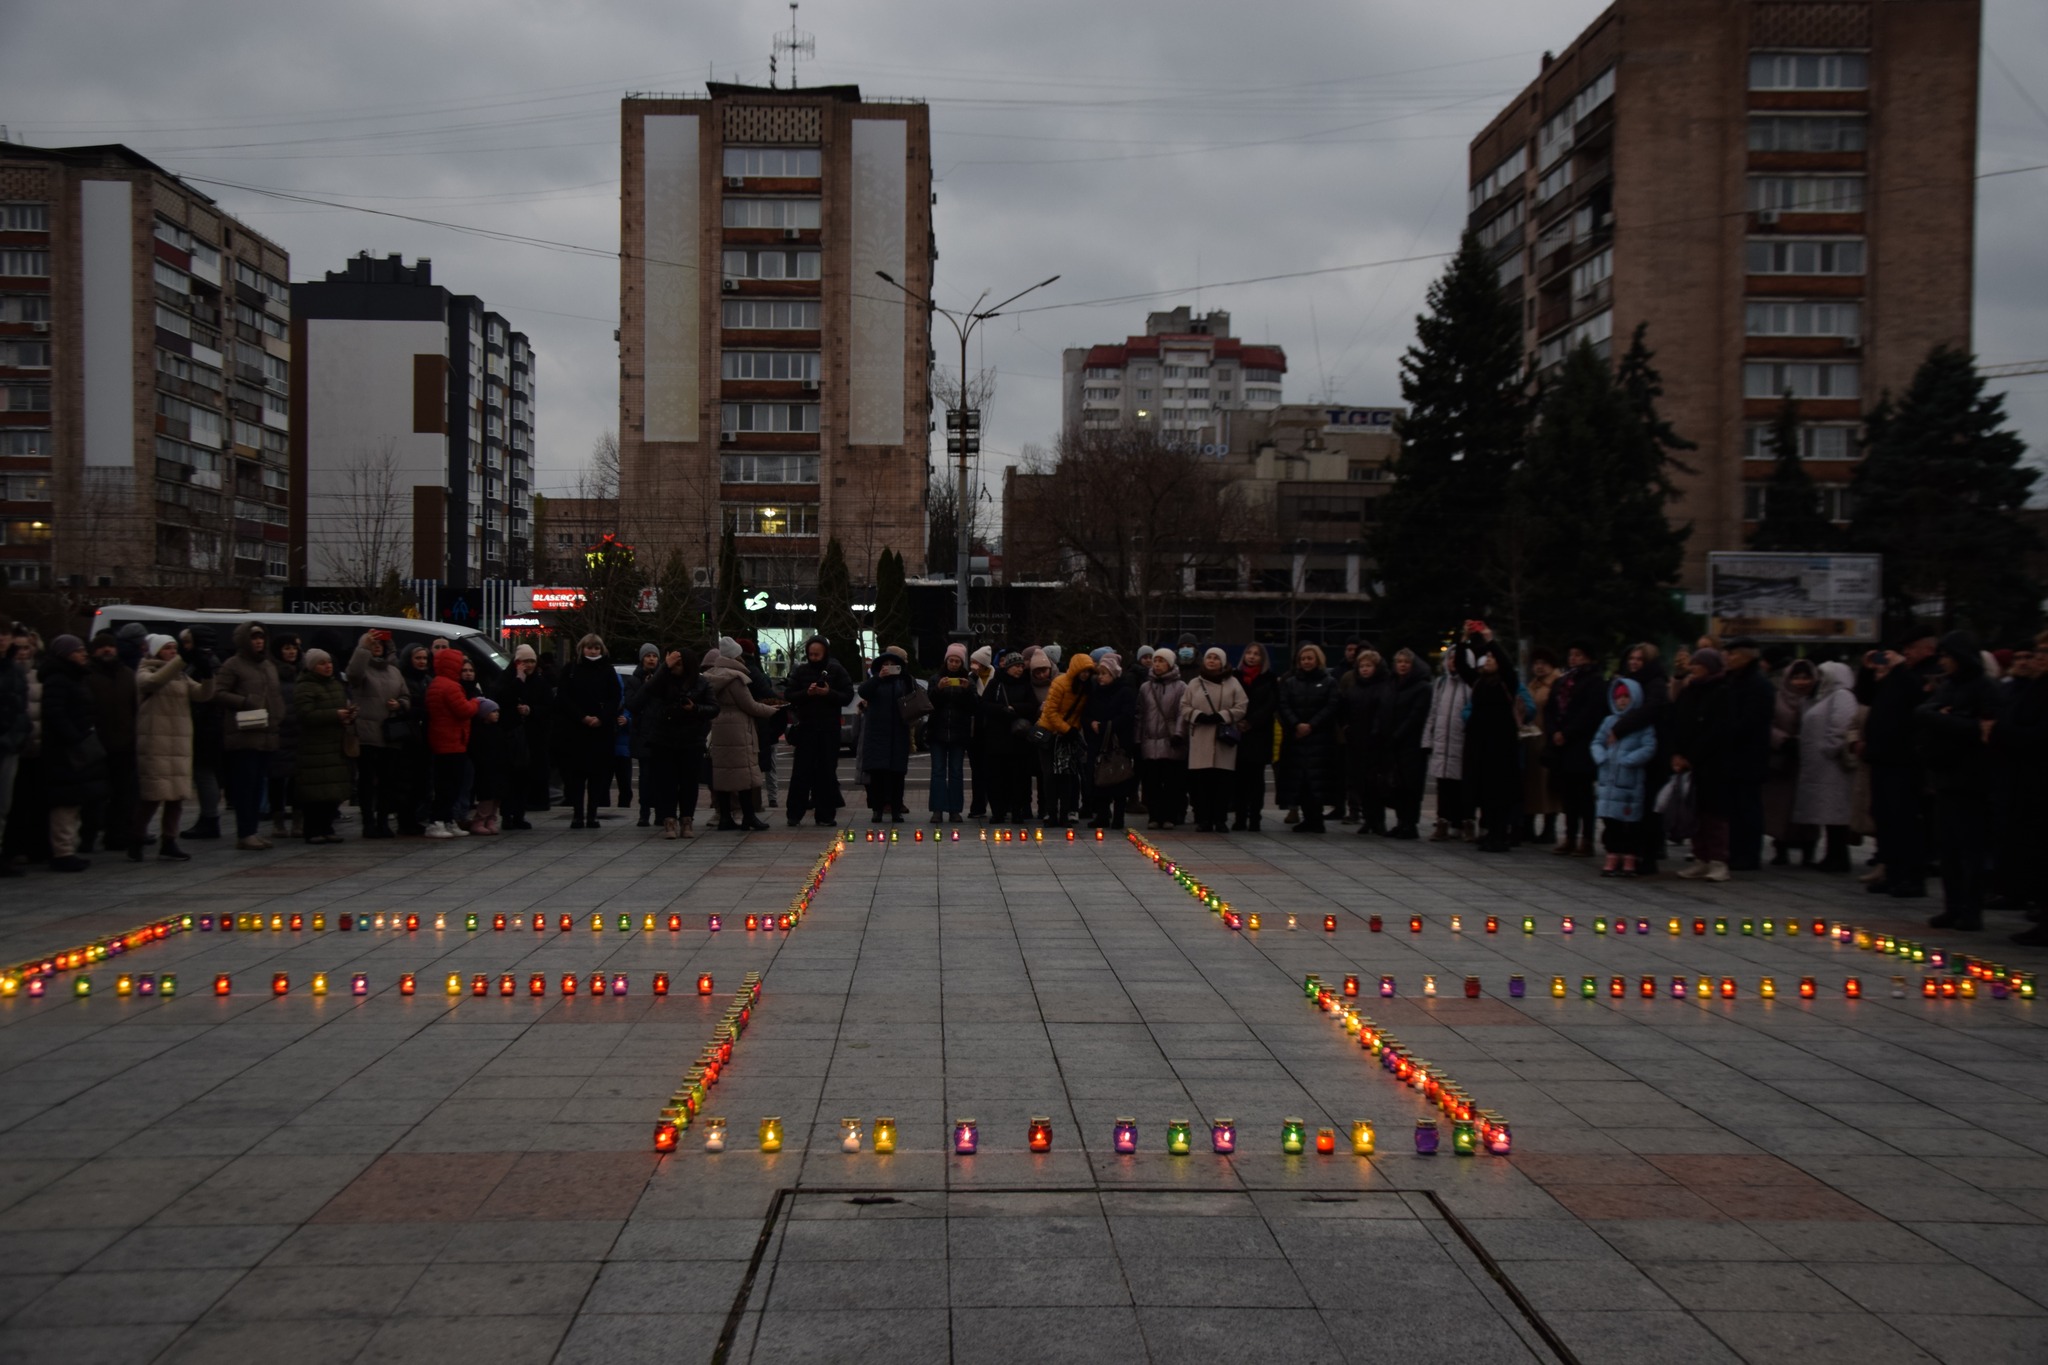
1795 596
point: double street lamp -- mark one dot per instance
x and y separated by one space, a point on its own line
963 435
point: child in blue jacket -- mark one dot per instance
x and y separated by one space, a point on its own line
1622 785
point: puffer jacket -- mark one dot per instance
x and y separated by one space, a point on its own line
817 718
1621 762
1443 734
163 729
884 737
735 742
248 682
683 724
954 702
449 708
112 686
1068 693
1311 699
1825 788
373 682
1162 729
323 768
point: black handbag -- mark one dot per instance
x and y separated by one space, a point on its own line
399 731
1114 766
1229 734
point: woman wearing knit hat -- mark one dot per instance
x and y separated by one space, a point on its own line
981 667
1213 706
1009 714
524 701
1162 741
325 716
1109 728
950 732
163 743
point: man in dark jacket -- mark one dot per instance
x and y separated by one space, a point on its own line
817 690
1896 777
1954 728
1752 701
1572 717
74 764
111 684
1401 724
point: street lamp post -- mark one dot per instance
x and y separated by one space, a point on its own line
965 435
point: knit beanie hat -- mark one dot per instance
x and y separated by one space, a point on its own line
317 656
1013 657
524 654
1053 654
729 647
154 645
1711 660
1097 652
956 652
983 656
1109 664
650 649
64 646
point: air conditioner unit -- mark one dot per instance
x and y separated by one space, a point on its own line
735 182
700 578
1852 343
791 234
39 326
810 386
1606 219
1767 217
730 284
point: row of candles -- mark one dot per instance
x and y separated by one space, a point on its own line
988 836
1473 1129
148 984
684 1105
2017 985
412 923
966 1136
33 973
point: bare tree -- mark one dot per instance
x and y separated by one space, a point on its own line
368 524
600 478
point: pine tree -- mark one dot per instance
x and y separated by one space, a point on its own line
1441 527
892 603
835 608
677 622
1597 557
731 603
1936 495
1792 519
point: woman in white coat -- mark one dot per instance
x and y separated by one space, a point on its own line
1212 707
1443 736
1826 784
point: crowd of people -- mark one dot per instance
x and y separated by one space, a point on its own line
1926 757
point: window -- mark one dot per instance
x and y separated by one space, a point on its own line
1801 380
1815 443
26 488
1176 371
28 397
172 278
771 365
27 575
24 533
788 161
1598 331
25 355
274 565
262 283
1806 193
24 308
1499 178
1808 71
1103 395
768 469
1507 225
1358 472
1201 394
1809 133
1806 257
1262 395
24 217
173 234
782 519
1144 395
191 371
1262 376
1592 272
799 315
1146 372
24 262
772 265
1804 319
1596 92
1102 372
1836 504
1553 182
769 417
1223 372
19 442
771 213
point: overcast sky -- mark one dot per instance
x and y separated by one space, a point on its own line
1129 148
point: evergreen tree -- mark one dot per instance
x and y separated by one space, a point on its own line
1441 527
1596 557
730 606
1936 494
677 621
892 603
1792 518
835 608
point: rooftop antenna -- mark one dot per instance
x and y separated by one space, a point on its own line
798 44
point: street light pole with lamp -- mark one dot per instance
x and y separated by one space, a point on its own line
965 434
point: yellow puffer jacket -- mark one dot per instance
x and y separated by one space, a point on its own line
1063 700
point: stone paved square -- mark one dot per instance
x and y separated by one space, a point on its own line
389 1177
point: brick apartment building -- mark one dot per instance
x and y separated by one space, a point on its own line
1781 189
768 380
146 372
1183 378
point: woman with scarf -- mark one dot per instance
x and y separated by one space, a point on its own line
1163 743
1213 705
1109 726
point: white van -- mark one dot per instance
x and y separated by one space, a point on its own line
338 635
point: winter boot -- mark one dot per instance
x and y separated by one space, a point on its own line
753 821
206 827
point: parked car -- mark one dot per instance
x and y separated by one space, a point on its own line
338 635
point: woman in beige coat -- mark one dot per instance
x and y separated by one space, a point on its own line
165 693
1214 699
735 742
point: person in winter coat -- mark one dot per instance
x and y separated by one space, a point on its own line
450 713
485 757
325 715
1493 771
1443 739
818 691
416 670
676 746
1061 715
1621 785
1702 724
1163 743
1261 736
111 681
1401 721
1752 706
981 666
1367 764
1954 727
735 742
1653 712
378 692
1308 739
1109 724
523 699
284 759
1821 800
246 685
885 735
166 691
1897 779
75 765
949 733
588 707
1041 672
1575 710
1009 714
1539 794
1793 690
641 721
1213 706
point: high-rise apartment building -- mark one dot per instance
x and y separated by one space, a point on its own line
1182 379
769 380
1782 190
145 374
413 441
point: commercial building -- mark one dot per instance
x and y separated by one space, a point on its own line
1782 190
769 380
413 438
564 528
1185 378
145 377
